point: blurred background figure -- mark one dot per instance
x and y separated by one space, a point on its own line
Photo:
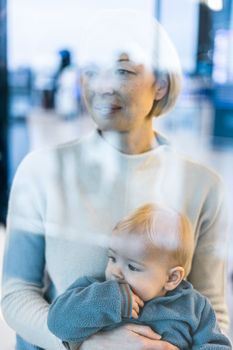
67 89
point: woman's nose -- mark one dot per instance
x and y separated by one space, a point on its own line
104 84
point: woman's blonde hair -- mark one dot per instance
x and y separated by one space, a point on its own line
163 106
168 230
141 36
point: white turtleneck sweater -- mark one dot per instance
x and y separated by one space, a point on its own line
66 200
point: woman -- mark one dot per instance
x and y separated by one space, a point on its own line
65 201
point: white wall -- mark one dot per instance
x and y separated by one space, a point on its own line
180 18
37 29
41 27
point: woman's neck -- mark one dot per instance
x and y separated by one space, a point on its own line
133 142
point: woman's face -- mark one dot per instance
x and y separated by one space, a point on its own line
119 96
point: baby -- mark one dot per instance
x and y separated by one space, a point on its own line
149 256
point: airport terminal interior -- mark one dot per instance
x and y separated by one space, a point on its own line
41 101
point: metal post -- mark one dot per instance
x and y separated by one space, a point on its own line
158 10
3 112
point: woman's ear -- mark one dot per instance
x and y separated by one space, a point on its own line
175 276
161 88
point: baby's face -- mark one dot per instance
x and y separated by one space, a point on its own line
130 260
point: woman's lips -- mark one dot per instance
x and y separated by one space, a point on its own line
107 109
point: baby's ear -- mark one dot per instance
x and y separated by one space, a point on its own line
175 276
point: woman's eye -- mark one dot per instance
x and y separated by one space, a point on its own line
124 72
133 268
90 73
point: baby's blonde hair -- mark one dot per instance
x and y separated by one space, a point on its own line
168 230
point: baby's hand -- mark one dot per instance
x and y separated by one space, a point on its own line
136 304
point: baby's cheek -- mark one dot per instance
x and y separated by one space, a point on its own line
147 292
141 289
108 273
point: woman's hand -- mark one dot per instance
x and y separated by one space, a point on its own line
128 337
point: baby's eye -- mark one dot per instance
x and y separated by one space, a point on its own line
133 268
112 258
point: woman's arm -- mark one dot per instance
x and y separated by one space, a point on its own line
208 273
23 305
128 337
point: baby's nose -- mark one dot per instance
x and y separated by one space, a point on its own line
117 274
